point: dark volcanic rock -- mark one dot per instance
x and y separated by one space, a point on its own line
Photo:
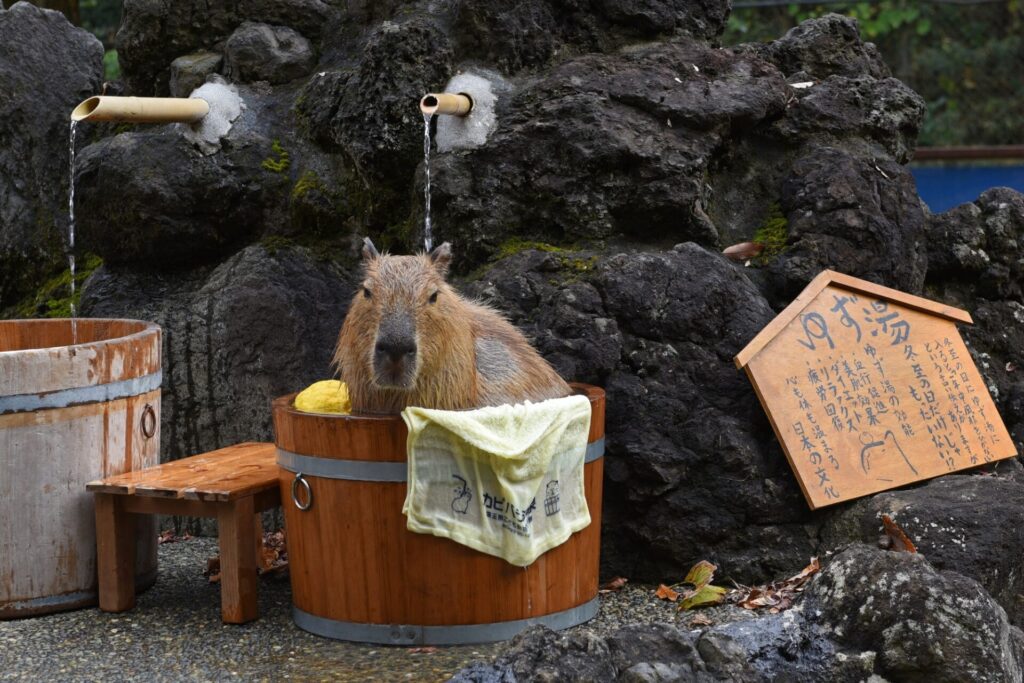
691 470
258 52
190 71
153 32
153 198
974 250
822 47
870 615
529 34
924 624
236 336
860 108
973 525
603 146
855 215
47 66
385 140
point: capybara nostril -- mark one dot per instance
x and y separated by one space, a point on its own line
395 349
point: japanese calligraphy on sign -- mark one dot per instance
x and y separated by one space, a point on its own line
869 388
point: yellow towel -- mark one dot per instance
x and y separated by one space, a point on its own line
328 396
504 480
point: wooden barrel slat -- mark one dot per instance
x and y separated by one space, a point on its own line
353 560
47 455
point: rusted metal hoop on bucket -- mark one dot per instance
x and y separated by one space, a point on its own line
148 421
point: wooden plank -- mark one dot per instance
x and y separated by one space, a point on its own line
237 561
169 506
831 277
866 393
224 474
916 303
762 338
115 554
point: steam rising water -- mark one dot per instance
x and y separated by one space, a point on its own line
428 237
71 231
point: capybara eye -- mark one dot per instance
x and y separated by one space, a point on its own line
366 292
433 297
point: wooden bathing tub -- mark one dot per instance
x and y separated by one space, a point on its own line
358 574
70 414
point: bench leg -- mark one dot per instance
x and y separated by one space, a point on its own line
237 561
115 554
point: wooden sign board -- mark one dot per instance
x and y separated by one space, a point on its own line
869 388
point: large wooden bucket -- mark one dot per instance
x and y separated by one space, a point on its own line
358 574
70 414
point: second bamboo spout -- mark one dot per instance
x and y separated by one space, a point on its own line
455 104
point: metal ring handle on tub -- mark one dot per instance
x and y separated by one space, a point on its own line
299 479
148 422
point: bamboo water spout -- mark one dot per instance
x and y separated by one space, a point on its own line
454 104
141 109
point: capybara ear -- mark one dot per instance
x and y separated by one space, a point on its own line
369 251
442 258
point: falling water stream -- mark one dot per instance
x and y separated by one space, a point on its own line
428 238
71 231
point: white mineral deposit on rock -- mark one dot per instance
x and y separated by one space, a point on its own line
225 106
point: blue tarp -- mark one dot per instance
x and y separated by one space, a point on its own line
943 187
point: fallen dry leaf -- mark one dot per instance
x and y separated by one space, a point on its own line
703 593
777 596
701 573
614 585
666 593
901 543
168 536
700 619
422 650
743 251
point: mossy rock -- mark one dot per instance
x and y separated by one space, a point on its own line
54 299
773 234
280 161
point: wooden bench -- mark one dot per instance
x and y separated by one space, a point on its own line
233 484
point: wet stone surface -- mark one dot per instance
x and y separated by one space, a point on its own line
175 633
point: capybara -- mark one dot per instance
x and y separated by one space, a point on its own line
410 339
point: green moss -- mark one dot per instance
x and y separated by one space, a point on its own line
275 243
281 163
53 300
515 245
308 182
773 234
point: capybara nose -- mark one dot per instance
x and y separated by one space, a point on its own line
395 349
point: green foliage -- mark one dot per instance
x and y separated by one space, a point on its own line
111 67
101 18
281 163
53 300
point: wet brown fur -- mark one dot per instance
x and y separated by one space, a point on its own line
448 334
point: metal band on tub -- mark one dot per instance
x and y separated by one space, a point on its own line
461 634
372 470
93 393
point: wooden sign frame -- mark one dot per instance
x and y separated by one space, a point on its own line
869 388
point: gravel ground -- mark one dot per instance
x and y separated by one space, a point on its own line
175 633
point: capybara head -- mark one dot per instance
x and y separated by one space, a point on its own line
401 311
